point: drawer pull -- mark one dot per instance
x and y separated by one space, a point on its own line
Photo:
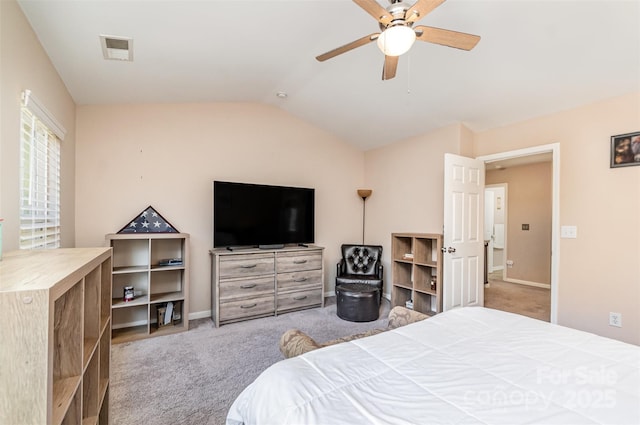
300 298
248 286
302 279
248 305
299 261
248 266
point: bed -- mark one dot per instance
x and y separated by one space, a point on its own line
466 366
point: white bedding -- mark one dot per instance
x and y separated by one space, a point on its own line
465 366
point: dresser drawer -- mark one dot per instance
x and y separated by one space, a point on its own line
297 261
252 283
299 299
307 279
246 265
246 287
248 307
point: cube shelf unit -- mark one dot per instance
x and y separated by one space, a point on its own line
136 262
416 273
55 333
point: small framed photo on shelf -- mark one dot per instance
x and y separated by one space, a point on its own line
625 150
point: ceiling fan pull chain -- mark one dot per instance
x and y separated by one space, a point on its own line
408 74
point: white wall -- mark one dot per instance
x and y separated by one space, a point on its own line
167 156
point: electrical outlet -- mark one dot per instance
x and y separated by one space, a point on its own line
509 263
615 319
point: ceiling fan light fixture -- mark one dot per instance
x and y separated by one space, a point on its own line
396 40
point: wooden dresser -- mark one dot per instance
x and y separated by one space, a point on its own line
251 283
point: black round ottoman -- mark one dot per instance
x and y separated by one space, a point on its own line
358 302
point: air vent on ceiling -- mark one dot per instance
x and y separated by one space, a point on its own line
117 48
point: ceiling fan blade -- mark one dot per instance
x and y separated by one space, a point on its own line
389 68
350 46
459 40
420 9
374 9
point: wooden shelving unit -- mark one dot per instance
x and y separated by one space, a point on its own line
55 333
416 274
136 262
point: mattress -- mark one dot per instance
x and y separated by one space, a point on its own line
466 366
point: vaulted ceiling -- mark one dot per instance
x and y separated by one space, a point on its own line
534 58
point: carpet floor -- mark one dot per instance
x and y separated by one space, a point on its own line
526 300
193 377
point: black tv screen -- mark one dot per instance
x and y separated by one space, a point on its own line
252 214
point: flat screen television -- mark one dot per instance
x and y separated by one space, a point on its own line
262 215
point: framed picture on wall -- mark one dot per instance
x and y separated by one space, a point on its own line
625 150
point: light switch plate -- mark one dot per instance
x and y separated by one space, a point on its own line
569 232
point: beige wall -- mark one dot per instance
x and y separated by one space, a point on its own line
528 202
129 157
600 270
24 65
407 180
167 156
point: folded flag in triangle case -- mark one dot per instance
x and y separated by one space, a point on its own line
149 221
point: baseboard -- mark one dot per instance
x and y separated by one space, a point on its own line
528 283
199 314
207 313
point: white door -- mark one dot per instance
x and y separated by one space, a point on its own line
463 247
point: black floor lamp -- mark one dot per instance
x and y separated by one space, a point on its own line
364 194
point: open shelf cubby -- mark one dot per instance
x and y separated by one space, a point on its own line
139 261
416 271
56 316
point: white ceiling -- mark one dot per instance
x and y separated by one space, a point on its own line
534 58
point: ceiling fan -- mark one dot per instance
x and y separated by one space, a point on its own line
398 33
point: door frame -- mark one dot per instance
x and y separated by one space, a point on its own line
554 149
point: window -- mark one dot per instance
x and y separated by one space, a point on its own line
39 183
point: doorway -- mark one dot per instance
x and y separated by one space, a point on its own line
532 155
495 214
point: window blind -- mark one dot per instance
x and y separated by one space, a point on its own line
38 109
39 184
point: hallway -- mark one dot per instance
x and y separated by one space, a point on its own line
526 300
